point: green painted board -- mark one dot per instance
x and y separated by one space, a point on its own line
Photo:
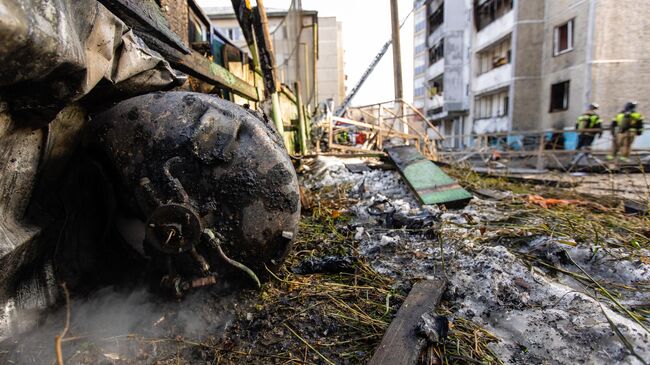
429 183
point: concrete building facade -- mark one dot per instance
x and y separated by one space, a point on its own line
307 49
420 54
534 64
331 64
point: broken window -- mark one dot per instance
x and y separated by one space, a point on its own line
560 96
436 18
563 38
494 105
487 11
437 87
437 52
495 56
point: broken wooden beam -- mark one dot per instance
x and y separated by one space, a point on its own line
401 345
429 183
146 20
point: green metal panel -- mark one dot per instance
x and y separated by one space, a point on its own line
429 183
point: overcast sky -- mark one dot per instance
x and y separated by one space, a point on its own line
366 27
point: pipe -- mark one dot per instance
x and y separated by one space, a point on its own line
215 243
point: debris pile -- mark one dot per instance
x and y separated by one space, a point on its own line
526 282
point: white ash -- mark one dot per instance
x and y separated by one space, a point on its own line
539 318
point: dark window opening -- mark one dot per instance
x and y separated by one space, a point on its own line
197 30
560 96
487 11
437 87
437 52
436 18
434 111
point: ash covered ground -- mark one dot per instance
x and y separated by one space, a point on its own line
527 284
542 294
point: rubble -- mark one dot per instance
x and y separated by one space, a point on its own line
561 284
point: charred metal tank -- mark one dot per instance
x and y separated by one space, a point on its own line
211 181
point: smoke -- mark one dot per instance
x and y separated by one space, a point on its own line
116 326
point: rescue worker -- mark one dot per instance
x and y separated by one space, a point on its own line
588 126
625 127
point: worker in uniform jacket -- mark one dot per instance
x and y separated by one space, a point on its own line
626 126
588 126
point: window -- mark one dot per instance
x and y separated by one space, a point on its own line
420 26
494 105
198 32
563 38
495 56
437 87
487 11
234 34
420 48
436 18
560 96
419 92
420 70
437 52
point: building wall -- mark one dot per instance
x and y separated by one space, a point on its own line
177 12
331 75
296 62
620 66
571 66
457 63
420 62
527 52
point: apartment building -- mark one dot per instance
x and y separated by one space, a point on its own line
420 54
302 42
520 65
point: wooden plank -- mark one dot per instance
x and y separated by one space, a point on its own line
149 24
429 183
401 345
208 71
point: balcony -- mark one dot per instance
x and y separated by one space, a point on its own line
436 69
435 102
493 80
495 31
435 106
435 36
491 125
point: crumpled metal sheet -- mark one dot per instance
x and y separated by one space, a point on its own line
54 52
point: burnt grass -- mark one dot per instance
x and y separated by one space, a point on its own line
317 318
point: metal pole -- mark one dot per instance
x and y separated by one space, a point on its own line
268 65
397 51
302 127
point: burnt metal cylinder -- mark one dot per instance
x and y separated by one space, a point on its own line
186 162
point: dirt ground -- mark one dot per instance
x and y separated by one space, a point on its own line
530 280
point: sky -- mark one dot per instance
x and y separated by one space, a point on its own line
366 27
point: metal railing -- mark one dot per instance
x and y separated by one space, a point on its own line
394 122
547 145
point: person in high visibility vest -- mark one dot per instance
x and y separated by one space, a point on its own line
588 126
625 127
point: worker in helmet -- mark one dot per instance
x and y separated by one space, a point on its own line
588 126
625 127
